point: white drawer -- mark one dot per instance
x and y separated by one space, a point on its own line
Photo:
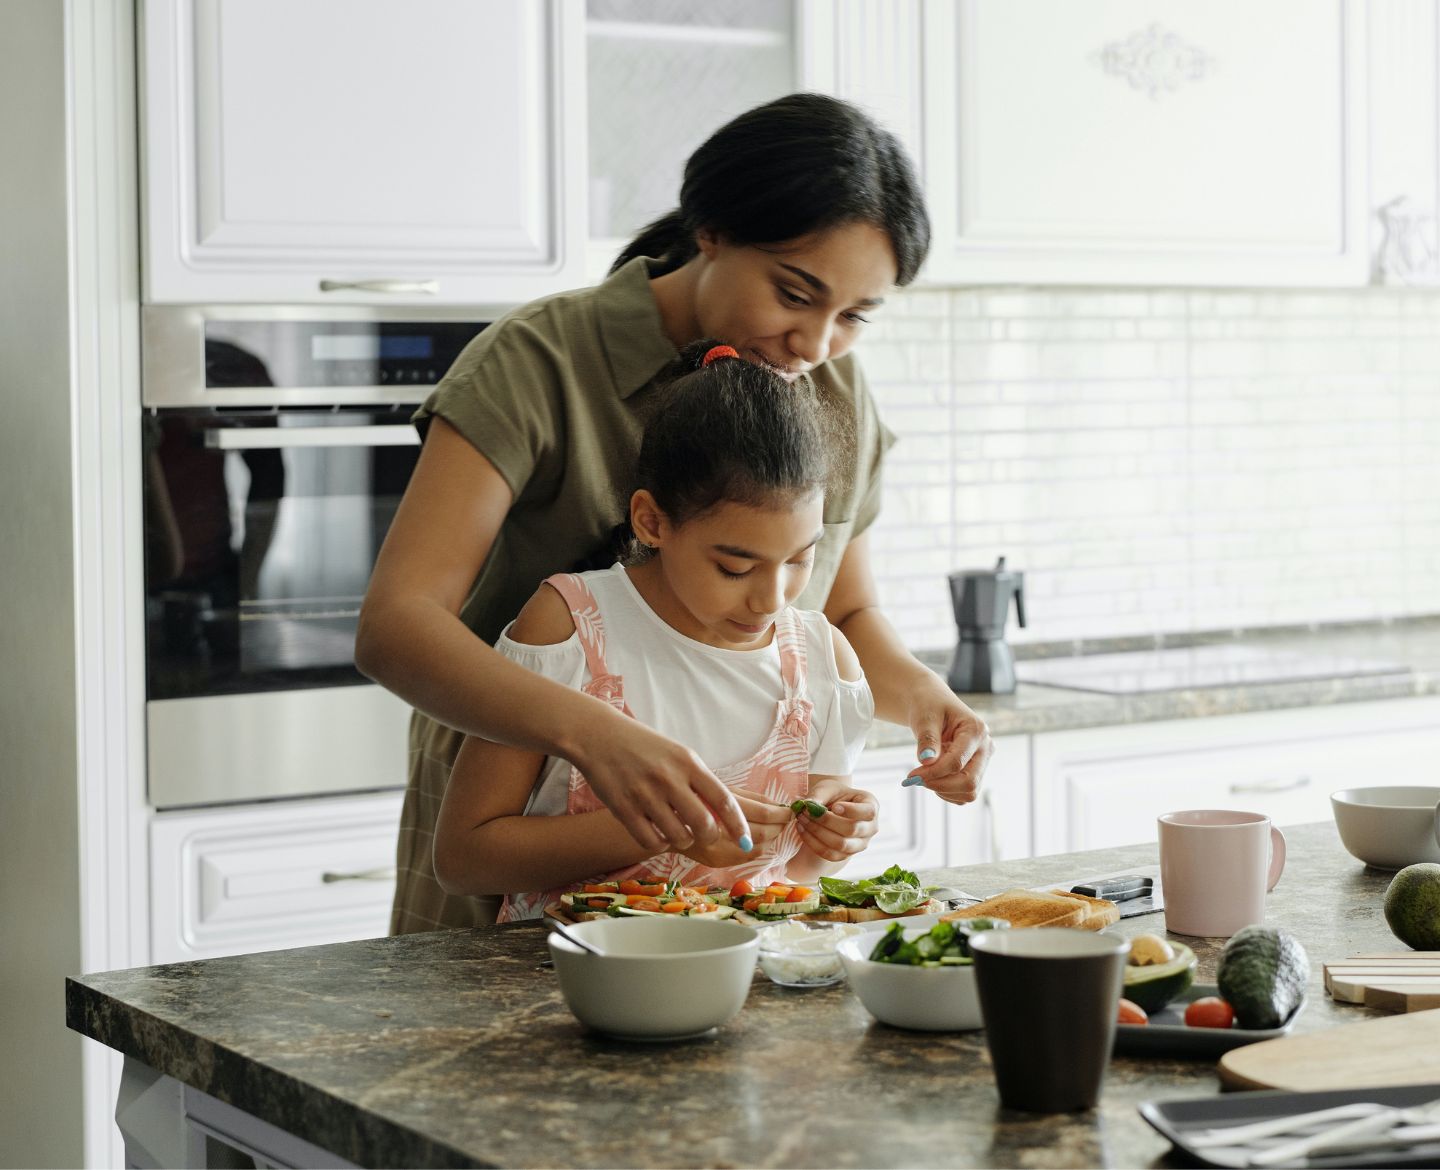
263 877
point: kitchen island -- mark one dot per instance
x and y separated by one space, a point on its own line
456 1049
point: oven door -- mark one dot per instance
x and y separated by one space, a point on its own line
262 529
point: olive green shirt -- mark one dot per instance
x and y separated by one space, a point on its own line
555 394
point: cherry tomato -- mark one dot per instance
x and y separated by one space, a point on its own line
741 888
799 894
644 904
1210 1012
1132 1013
674 907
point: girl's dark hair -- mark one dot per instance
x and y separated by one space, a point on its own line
730 432
800 164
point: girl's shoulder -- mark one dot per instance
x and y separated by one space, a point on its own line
828 647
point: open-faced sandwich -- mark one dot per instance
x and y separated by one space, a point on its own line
641 897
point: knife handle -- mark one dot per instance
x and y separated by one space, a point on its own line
1116 889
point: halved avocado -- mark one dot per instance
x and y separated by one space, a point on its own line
1155 985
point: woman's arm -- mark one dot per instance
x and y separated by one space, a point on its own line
906 690
411 640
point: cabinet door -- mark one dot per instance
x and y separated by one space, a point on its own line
1146 141
374 150
1105 787
228 881
996 826
912 821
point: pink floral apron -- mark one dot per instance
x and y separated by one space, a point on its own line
779 771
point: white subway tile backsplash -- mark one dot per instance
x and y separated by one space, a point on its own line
1160 461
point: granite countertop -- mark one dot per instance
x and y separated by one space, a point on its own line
1413 642
456 1049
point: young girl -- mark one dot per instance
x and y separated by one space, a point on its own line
696 638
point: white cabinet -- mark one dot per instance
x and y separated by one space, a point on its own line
1105 786
371 150
918 830
228 881
1146 141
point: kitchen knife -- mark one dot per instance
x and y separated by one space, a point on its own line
1117 889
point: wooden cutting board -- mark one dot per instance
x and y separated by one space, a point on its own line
1404 981
1398 1050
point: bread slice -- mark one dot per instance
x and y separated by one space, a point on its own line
1026 908
1099 912
875 914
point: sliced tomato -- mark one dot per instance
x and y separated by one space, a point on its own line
741 888
674 907
1210 1012
1132 1013
750 903
643 903
597 903
599 888
644 889
799 894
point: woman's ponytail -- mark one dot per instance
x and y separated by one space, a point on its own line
669 239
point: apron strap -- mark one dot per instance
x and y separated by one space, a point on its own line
790 639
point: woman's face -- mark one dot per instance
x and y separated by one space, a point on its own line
794 305
723 576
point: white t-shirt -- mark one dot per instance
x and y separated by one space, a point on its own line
719 703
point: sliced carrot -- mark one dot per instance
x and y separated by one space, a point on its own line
799 894
770 897
778 888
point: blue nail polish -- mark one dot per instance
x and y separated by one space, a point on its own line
745 843
911 781
928 754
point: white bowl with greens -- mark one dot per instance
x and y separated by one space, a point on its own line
918 978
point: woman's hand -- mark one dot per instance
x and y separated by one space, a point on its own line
660 790
850 821
767 820
953 743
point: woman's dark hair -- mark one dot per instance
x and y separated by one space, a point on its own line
800 164
730 432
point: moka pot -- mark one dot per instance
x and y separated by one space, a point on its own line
983 660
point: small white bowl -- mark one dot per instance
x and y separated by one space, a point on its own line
804 954
925 999
658 979
1388 826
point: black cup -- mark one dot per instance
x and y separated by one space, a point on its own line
1049 998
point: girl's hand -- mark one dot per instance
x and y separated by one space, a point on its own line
847 826
767 820
953 743
659 790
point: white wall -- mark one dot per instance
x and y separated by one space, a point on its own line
1161 461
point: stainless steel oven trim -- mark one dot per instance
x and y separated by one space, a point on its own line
272 438
172 340
225 749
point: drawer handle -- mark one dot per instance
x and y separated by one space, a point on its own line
429 287
383 874
1272 786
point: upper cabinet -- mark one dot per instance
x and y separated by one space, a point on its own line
362 150
1146 141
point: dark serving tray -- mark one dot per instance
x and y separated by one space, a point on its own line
1167 1033
1176 1120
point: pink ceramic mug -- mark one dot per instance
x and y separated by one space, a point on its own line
1216 866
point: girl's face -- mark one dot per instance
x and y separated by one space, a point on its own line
795 305
722 577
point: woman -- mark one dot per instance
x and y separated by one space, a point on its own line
795 220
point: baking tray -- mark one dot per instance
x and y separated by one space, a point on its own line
1167 1034
1176 1119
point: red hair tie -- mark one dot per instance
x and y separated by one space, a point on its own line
716 352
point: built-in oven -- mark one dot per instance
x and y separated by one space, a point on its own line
277 446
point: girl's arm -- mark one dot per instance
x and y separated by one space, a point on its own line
953 742
411 640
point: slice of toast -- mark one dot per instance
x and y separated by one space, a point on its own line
1099 912
1026 908
875 914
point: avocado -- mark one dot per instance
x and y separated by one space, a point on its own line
1412 906
1262 975
1154 985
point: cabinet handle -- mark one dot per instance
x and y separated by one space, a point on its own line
383 874
1271 786
429 287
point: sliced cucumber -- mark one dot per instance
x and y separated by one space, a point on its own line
785 909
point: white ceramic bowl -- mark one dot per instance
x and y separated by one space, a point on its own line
1388 827
926 999
804 954
658 979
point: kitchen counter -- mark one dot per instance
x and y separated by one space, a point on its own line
456 1049
1413 642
